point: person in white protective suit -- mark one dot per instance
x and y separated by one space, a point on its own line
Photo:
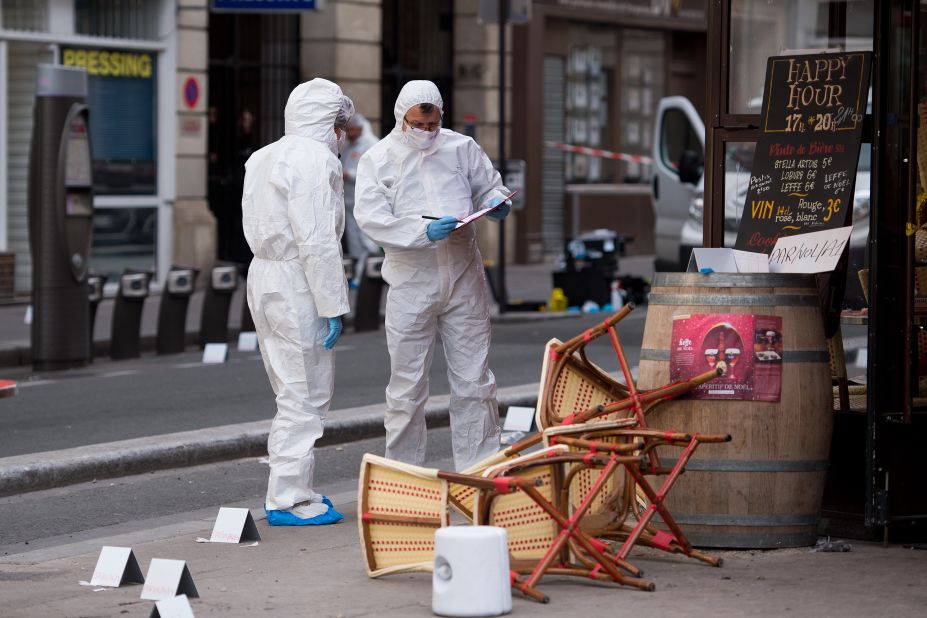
360 138
293 218
435 273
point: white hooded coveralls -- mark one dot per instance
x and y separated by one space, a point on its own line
293 217
358 245
435 287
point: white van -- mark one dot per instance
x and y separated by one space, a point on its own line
678 179
677 192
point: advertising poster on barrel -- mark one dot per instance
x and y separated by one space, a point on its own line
747 347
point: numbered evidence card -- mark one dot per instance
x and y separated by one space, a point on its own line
804 168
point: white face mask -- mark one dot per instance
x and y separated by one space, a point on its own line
342 140
420 138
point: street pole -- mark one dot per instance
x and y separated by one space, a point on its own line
503 18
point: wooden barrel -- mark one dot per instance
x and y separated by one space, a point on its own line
764 488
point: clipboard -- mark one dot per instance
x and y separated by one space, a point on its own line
482 213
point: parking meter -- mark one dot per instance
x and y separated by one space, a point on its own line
60 218
172 314
95 283
127 314
367 310
214 321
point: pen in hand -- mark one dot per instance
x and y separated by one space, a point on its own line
430 217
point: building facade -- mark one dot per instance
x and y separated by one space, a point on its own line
131 63
182 91
590 73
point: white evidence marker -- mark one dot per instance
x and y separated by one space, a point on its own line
116 566
215 353
862 358
247 341
177 607
518 418
166 579
234 525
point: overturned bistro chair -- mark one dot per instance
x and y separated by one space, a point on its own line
575 390
543 538
578 384
624 512
399 508
580 398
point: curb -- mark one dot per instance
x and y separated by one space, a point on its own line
38 471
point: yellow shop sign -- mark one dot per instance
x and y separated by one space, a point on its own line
109 63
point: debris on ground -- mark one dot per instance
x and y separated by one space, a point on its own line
826 544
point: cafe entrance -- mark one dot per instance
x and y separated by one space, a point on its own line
878 351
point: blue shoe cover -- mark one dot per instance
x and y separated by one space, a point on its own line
286 518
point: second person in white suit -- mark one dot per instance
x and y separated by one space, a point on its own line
435 274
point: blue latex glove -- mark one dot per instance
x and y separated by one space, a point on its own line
334 331
441 229
502 212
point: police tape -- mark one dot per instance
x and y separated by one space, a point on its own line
598 152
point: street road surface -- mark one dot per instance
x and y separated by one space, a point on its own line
110 401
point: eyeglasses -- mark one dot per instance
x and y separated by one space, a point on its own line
424 126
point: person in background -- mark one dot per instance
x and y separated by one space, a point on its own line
360 139
293 218
412 187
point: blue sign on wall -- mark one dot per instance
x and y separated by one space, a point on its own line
266 5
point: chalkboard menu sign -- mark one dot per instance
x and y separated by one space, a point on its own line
804 168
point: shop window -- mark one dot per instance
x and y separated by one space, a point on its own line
121 96
121 19
23 15
738 164
587 108
124 238
763 28
641 88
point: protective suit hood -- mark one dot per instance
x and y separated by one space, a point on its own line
415 93
312 109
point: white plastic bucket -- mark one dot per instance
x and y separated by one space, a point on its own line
471 572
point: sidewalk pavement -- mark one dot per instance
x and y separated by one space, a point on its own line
523 281
319 571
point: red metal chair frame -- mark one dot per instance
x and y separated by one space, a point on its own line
572 551
638 402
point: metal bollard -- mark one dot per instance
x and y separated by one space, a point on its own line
214 321
172 314
127 314
95 283
367 310
348 264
